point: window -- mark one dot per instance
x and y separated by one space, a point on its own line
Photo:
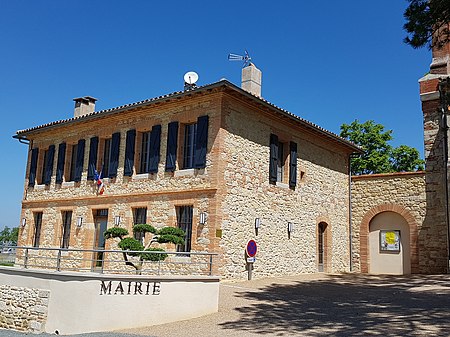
139 217
184 221
73 161
280 162
145 152
110 158
66 222
76 157
280 155
44 167
106 157
37 228
190 135
33 167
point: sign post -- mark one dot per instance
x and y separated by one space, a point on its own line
250 250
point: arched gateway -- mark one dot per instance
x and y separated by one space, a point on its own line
388 241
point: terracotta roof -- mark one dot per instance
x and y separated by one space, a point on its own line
224 83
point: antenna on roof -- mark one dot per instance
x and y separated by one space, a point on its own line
190 78
246 58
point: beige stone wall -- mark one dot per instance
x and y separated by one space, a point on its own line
233 189
161 193
23 309
321 195
403 193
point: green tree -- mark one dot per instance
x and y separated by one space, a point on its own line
379 156
134 248
9 235
425 18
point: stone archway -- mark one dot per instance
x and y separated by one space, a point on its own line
413 235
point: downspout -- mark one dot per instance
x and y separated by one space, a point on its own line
444 110
350 223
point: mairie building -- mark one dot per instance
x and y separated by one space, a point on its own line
217 160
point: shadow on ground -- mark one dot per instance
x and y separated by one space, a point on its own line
349 305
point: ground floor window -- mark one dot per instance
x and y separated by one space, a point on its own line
139 217
184 221
37 228
66 222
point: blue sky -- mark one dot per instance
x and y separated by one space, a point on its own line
328 61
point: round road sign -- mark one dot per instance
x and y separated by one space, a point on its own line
251 248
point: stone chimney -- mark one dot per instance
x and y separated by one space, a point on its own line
441 52
84 106
251 79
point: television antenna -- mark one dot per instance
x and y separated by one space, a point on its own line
236 57
190 78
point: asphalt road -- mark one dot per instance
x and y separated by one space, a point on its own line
318 305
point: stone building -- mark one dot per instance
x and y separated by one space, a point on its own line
214 160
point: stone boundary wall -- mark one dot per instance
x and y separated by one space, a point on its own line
71 303
403 193
23 309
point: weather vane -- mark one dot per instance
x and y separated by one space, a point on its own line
246 58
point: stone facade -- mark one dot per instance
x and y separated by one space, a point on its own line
402 193
23 309
232 189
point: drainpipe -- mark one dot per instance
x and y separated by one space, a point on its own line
444 111
350 232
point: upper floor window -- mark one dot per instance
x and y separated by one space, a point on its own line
150 144
190 137
109 161
75 161
283 162
194 138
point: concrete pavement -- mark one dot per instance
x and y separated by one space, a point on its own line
323 305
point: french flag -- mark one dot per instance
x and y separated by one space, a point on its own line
99 181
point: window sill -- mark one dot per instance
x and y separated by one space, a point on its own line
282 185
67 184
144 176
189 172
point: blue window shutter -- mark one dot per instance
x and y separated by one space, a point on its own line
49 165
60 163
293 165
172 143
273 158
92 166
33 166
155 145
80 160
201 142
114 160
129 153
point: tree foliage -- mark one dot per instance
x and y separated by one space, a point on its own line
9 235
379 156
425 18
134 248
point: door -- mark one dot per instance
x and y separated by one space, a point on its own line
321 246
101 223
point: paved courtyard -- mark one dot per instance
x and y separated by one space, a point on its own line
318 305
324 305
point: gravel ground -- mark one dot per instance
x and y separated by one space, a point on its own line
318 305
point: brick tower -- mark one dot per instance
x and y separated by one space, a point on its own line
434 235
